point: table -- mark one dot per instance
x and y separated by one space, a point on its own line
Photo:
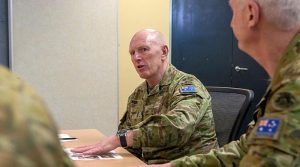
91 136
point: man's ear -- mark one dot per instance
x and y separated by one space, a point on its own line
253 13
165 51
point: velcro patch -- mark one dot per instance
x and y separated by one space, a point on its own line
268 127
188 89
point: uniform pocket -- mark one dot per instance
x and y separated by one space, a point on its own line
135 111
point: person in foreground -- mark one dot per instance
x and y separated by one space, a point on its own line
268 30
28 135
168 116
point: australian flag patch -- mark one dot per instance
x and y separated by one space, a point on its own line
268 127
188 89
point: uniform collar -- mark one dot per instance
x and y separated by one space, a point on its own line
166 80
168 75
289 64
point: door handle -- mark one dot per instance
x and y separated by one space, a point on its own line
237 68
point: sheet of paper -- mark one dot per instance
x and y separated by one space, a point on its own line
108 156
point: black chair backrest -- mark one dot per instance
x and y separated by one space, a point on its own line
230 106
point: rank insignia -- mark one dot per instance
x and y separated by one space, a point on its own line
188 89
268 127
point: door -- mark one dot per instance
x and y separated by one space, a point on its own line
4 60
203 44
202 40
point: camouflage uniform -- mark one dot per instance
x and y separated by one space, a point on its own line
28 136
172 120
273 138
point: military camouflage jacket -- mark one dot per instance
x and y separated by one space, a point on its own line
28 136
172 120
273 138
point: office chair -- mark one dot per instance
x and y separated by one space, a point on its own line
230 106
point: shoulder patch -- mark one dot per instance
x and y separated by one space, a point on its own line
283 100
188 89
268 128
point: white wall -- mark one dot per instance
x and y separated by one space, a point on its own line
67 50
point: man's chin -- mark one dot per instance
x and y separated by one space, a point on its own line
143 76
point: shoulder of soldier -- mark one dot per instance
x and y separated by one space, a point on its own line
28 118
289 67
186 83
8 80
16 93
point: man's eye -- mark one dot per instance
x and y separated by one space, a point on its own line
132 53
143 50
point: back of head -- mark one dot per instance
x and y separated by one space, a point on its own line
28 135
283 14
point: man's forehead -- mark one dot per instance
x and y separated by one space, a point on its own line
136 44
146 40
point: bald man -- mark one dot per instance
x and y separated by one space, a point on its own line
168 116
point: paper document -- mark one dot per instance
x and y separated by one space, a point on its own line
78 156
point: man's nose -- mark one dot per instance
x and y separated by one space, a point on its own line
136 56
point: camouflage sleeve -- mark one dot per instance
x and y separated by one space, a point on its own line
185 111
124 124
275 139
228 155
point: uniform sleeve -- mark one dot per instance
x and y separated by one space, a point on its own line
229 155
124 124
275 138
185 111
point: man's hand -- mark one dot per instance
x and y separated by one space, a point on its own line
101 147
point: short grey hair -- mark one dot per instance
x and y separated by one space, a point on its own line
284 14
